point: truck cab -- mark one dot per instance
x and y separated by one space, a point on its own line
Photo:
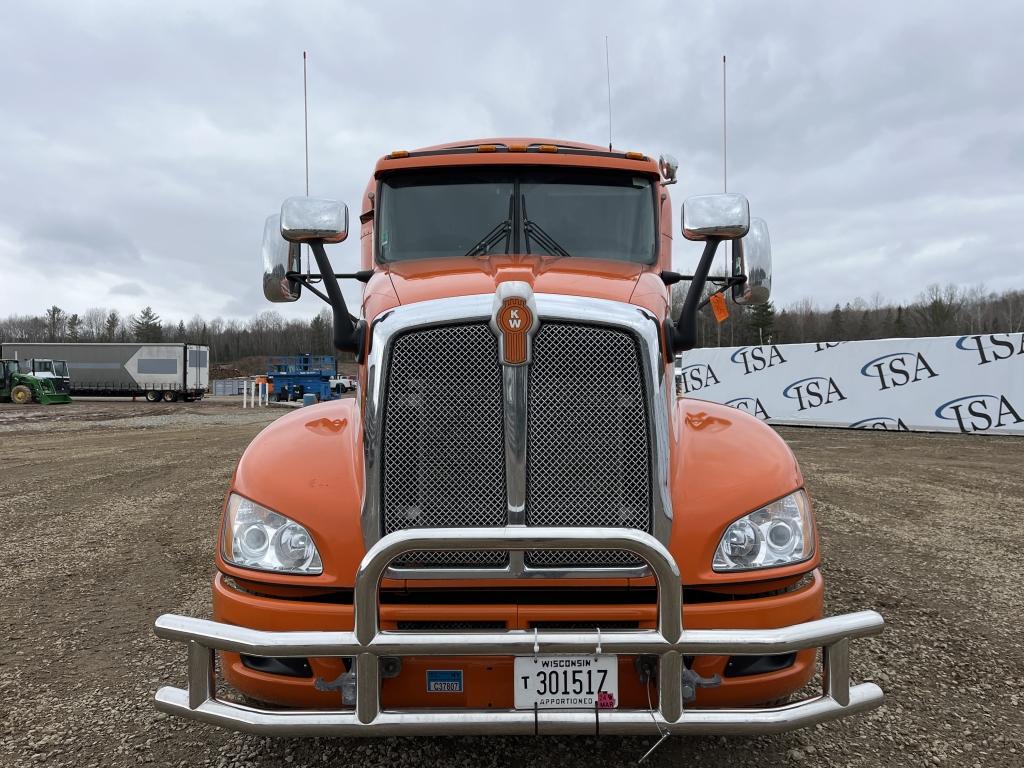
54 370
517 526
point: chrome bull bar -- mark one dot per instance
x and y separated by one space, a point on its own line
367 643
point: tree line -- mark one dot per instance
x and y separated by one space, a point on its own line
937 311
268 333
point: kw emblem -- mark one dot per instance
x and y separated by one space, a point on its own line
514 321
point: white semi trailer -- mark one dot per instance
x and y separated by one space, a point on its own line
158 372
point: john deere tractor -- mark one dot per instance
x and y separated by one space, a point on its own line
23 388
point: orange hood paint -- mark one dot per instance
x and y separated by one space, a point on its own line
460 276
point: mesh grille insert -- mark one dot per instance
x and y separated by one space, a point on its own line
443 441
589 460
443 462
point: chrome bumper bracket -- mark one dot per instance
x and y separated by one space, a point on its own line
367 643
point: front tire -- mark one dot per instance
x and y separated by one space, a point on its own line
21 394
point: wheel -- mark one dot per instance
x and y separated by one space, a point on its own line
21 394
153 396
170 397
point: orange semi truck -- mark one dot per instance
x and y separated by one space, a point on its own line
517 527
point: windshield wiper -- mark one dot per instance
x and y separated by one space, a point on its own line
502 230
542 237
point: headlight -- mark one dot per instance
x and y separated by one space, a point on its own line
781 533
256 537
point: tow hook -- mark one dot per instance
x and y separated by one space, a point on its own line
345 683
647 668
692 681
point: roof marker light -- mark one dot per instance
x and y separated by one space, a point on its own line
635 156
487 148
399 153
516 147
547 148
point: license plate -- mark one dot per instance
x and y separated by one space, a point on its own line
567 682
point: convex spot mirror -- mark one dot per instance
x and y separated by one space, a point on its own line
310 218
279 258
726 216
752 256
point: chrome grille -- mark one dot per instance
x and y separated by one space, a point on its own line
443 439
588 445
443 442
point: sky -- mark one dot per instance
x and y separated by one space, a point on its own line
142 145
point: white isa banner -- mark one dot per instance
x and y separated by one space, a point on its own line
972 384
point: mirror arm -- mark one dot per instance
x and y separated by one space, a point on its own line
348 334
305 281
683 335
724 283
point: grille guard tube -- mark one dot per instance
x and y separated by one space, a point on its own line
367 643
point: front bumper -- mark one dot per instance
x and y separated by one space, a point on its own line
367 643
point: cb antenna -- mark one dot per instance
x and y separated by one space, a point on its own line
305 117
608 72
305 127
725 184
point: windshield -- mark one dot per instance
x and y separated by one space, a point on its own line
581 212
60 368
43 366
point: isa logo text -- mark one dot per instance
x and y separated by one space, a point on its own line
814 392
980 413
898 369
754 359
992 347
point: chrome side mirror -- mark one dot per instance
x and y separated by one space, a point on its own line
669 167
725 216
309 218
752 256
279 258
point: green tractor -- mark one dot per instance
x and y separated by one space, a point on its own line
22 388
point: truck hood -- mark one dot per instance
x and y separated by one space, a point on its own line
426 279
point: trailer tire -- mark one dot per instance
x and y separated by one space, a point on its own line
21 394
170 396
152 396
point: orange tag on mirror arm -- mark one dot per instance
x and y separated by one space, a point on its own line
719 307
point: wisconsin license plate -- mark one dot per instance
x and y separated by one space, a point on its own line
566 682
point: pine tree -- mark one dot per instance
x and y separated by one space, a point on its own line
761 322
74 327
54 323
835 324
110 325
181 331
146 327
899 327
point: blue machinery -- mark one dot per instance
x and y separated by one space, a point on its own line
296 375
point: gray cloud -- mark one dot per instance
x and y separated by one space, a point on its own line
128 289
144 145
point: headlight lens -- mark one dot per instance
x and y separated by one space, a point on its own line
781 533
256 537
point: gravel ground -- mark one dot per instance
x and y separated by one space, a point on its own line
115 505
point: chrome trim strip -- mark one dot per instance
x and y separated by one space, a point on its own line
478 308
367 643
515 385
